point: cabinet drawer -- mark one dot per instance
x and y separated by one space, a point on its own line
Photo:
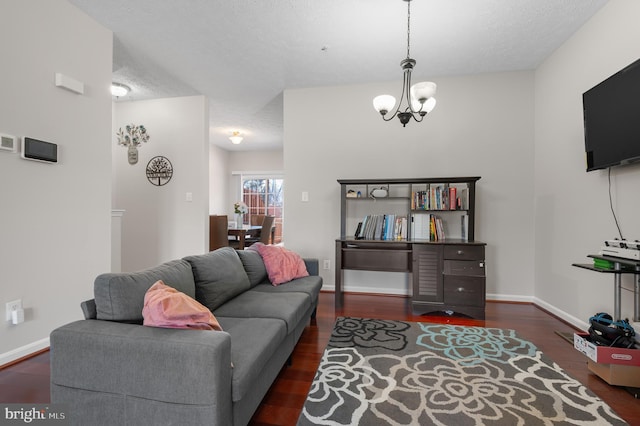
473 268
395 260
464 252
468 291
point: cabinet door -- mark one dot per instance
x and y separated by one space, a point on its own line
427 273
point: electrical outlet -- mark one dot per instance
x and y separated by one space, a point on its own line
12 306
326 264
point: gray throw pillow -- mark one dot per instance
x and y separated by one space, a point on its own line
219 276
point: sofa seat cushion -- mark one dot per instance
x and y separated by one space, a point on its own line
289 307
253 343
120 296
219 276
310 285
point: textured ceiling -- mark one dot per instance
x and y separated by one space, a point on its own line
242 54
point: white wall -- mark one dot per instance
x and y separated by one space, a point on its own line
218 180
572 216
160 224
482 126
269 161
55 232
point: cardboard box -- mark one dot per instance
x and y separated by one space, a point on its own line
616 366
605 354
616 374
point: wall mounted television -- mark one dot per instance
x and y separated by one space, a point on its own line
612 120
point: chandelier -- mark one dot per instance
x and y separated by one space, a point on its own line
418 98
235 138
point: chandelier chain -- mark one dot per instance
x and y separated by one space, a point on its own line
408 27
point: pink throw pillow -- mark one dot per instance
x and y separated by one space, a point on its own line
282 265
167 307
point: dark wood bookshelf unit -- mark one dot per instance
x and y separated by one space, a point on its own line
423 226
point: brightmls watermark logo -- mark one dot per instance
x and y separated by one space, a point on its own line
35 414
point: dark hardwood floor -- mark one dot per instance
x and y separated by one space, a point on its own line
28 381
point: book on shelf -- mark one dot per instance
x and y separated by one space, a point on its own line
437 196
464 223
453 198
463 201
356 235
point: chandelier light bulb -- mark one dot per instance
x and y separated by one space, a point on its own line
417 106
384 103
423 91
429 105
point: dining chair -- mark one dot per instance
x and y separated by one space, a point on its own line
218 225
256 219
265 232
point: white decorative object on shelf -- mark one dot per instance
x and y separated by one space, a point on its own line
379 193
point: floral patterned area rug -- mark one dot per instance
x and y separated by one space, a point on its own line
380 372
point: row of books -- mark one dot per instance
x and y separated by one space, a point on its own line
431 227
427 227
382 227
440 196
424 226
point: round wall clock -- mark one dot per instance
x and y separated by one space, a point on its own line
159 170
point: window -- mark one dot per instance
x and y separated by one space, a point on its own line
264 196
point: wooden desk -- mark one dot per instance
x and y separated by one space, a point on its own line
241 233
447 276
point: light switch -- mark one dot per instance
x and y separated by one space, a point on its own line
305 196
189 197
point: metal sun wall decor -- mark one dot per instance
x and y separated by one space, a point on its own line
132 138
159 171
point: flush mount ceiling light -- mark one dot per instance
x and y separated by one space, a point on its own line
118 89
419 97
235 138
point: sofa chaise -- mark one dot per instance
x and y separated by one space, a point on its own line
111 370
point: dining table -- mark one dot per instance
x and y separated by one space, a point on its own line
240 233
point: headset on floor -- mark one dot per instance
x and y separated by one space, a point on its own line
604 331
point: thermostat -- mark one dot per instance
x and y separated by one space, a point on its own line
33 149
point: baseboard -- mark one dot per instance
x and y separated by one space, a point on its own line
376 290
509 298
367 290
570 319
21 352
399 292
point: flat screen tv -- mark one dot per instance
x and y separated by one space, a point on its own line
612 120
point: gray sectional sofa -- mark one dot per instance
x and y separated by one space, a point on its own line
111 370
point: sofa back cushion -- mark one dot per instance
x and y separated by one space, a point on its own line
254 266
219 276
120 296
